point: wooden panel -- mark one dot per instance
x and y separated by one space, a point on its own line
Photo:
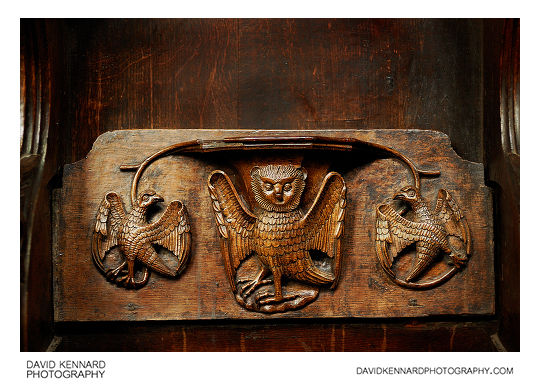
39 150
501 114
283 337
274 74
151 74
202 291
363 74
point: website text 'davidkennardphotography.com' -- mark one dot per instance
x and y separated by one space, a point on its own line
434 370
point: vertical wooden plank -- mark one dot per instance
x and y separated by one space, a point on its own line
363 74
40 152
501 113
152 74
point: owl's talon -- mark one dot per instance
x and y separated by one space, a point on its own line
262 300
263 295
251 286
242 289
244 284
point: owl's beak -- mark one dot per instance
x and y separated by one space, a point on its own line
278 192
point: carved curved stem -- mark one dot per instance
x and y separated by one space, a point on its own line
413 169
272 142
142 166
336 144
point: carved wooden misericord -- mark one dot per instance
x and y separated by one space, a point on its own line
300 220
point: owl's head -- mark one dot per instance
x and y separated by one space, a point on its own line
278 187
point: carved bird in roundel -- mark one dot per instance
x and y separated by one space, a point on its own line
429 230
135 237
279 234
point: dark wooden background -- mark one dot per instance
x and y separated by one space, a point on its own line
81 78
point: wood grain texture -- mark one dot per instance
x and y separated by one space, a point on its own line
362 74
202 291
274 74
40 149
501 116
287 336
152 74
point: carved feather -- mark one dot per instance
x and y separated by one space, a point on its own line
234 221
323 223
394 233
322 226
171 231
452 218
109 219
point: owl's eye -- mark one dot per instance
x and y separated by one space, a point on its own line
287 187
268 186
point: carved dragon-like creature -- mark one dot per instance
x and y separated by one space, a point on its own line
430 231
136 238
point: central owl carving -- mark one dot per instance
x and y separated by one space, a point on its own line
278 246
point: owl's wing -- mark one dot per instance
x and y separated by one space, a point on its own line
108 222
394 233
452 218
234 222
323 223
171 231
